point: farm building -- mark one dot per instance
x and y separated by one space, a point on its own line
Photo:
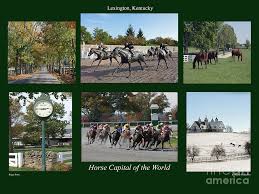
207 126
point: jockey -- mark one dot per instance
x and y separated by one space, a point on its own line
94 127
126 127
118 128
159 127
130 47
138 129
103 48
164 47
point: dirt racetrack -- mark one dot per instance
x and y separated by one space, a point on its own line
103 73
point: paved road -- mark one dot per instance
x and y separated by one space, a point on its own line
41 77
104 153
103 73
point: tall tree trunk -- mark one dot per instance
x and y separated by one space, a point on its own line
10 135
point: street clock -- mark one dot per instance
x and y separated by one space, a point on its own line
43 107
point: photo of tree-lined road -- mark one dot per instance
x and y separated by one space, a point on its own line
129 48
41 52
217 52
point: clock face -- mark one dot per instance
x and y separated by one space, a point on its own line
43 109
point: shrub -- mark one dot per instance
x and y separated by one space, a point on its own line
61 167
248 148
218 151
193 151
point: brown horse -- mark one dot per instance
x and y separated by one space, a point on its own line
199 58
212 55
238 53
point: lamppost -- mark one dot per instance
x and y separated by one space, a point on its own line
43 109
154 115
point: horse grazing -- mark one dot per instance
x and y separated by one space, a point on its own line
238 53
199 58
91 134
212 55
162 55
101 55
127 57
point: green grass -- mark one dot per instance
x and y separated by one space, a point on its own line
53 149
225 72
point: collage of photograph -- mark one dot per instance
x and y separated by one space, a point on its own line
125 125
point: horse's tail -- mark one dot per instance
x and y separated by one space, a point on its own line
194 61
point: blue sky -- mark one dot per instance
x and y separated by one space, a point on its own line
233 108
153 25
242 30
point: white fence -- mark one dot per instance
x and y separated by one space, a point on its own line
64 156
239 156
188 58
16 160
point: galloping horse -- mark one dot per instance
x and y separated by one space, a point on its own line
104 134
125 135
114 138
101 55
127 57
212 55
199 58
165 137
91 134
162 55
151 52
238 53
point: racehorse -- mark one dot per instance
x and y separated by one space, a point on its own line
114 138
162 55
199 58
101 55
91 134
151 52
104 134
164 137
127 57
125 135
238 53
212 55
147 136
137 138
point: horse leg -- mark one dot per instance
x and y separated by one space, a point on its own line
116 70
158 64
110 61
116 60
166 63
94 61
140 65
129 70
98 64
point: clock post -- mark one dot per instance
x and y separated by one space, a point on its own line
43 108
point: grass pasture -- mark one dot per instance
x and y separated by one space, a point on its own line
226 71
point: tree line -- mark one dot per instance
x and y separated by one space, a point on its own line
99 35
96 106
32 45
210 35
